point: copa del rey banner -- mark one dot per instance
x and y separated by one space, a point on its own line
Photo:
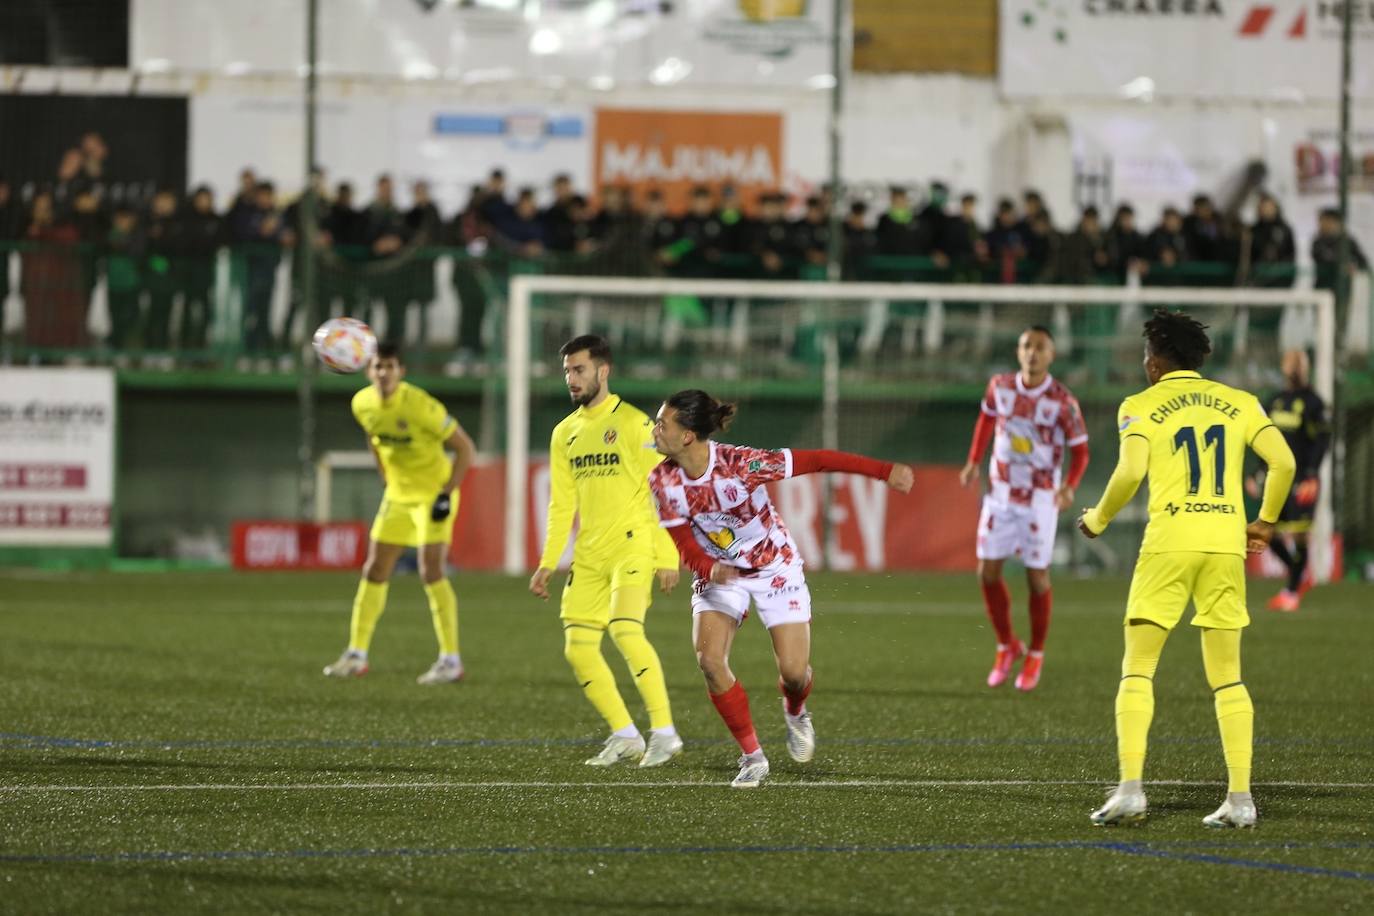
1288 50
56 457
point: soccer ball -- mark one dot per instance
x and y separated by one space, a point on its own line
345 344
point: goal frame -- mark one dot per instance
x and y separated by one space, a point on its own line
519 358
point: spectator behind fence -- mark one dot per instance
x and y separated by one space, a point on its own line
1203 229
470 274
558 217
54 310
1326 249
1128 248
1168 245
203 234
859 241
166 245
964 242
1006 244
933 224
259 237
772 238
1087 252
811 233
897 231
125 248
1271 244
524 232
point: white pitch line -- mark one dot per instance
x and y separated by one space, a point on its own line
678 784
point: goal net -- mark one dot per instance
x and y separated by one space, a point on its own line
891 370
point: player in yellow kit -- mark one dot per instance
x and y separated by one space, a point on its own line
1189 434
407 431
600 457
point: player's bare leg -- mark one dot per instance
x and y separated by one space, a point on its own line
998 602
1040 602
713 633
443 608
792 650
368 604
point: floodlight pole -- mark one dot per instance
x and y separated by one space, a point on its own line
1343 285
834 267
306 231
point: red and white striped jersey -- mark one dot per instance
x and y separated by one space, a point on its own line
728 507
1034 426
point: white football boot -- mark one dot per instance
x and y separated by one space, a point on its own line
442 672
753 770
350 664
617 749
801 735
662 748
1238 813
1122 807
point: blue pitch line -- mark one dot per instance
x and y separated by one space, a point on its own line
56 741
1126 848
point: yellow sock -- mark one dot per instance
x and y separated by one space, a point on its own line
1235 712
368 604
582 649
443 608
1135 697
628 635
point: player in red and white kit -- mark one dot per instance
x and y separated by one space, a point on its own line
712 499
1030 418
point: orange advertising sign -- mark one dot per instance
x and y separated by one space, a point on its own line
675 150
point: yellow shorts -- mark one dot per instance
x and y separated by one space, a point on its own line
600 591
409 524
1163 583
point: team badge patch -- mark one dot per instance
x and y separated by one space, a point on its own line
1127 421
609 437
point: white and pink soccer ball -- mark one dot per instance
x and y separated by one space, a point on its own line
345 344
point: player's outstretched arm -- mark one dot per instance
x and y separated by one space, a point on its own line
1132 462
562 507
819 461
697 560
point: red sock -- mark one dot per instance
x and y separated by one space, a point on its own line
1040 619
796 702
998 601
733 706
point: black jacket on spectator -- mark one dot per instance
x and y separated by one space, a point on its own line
1205 241
899 234
1271 242
1162 240
1126 245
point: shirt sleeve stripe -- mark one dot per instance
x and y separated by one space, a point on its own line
1138 435
1079 440
991 413
787 463
1260 430
672 522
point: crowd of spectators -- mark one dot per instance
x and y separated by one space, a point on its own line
156 252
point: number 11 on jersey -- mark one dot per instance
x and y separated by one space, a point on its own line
1215 438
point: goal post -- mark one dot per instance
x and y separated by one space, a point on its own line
937 327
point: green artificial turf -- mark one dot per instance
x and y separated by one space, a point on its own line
153 726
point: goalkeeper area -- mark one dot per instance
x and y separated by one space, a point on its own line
158 760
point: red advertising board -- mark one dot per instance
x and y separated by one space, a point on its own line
298 545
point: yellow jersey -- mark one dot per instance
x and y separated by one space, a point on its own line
408 430
1197 431
599 464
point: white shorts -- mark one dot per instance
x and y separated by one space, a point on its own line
779 592
1025 532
